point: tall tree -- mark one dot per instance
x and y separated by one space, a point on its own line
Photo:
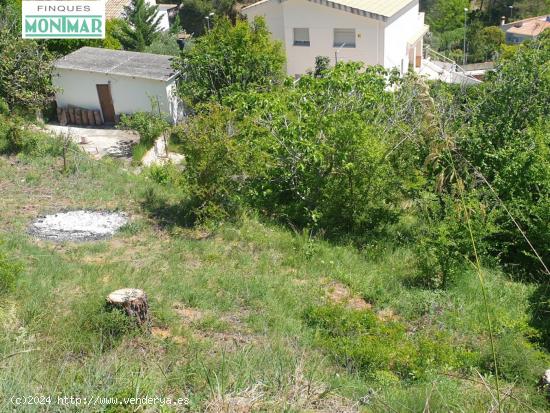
446 15
142 25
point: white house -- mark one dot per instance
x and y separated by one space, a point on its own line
114 9
377 32
116 82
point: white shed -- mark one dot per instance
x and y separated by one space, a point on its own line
117 82
376 32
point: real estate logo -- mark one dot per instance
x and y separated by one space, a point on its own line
54 19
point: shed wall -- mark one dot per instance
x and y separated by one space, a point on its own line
130 94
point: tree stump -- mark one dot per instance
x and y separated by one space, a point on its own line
133 302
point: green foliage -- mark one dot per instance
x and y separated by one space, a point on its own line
16 137
484 43
519 360
446 15
165 43
216 163
148 125
230 59
101 324
9 273
508 145
25 68
322 64
165 174
360 341
193 14
62 47
142 26
309 154
4 108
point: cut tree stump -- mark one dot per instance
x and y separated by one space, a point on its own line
133 302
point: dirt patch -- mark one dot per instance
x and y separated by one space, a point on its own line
188 314
387 314
165 334
78 225
338 293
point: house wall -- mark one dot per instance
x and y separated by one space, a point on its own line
164 22
78 88
399 31
377 42
282 18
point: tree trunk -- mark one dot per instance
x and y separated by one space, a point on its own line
133 302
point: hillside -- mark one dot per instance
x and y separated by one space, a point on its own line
245 317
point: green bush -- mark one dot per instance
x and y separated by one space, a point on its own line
17 138
166 174
149 126
311 154
518 360
360 341
100 325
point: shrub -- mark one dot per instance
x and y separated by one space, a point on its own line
381 349
100 325
149 126
311 154
230 58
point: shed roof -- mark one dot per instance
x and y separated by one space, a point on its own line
384 8
119 62
530 27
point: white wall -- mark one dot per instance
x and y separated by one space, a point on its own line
321 21
399 30
164 22
377 42
78 88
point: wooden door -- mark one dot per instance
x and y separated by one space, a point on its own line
106 103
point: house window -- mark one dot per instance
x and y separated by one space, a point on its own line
301 37
344 37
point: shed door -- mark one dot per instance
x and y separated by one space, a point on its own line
106 102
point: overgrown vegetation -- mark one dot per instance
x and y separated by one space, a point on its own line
148 125
351 240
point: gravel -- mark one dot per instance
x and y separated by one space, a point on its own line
78 225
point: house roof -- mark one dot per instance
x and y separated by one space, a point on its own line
119 62
371 8
114 9
530 27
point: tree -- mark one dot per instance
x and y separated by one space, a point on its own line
446 15
142 25
508 144
229 59
63 47
485 43
193 13
25 70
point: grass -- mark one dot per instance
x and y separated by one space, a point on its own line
243 318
